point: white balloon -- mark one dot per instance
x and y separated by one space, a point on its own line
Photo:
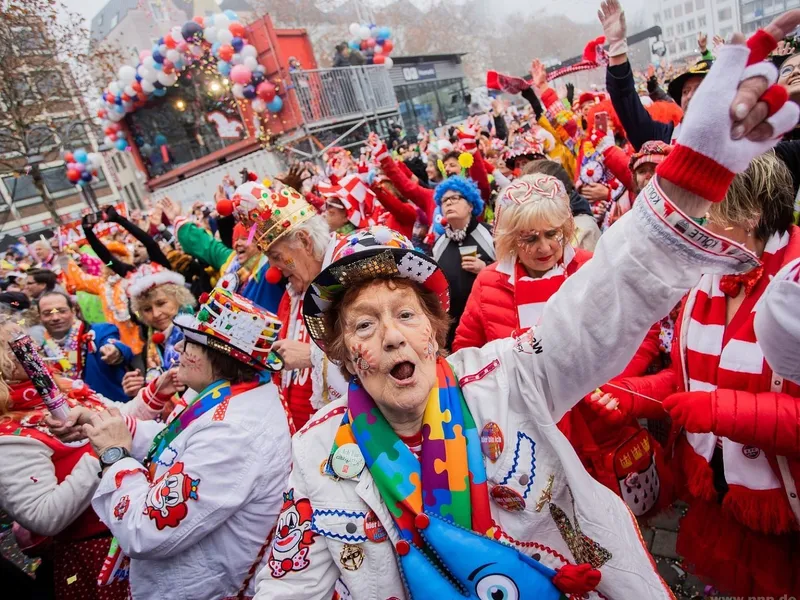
148 87
126 73
224 36
262 68
364 32
94 159
355 29
148 62
238 90
130 91
141 70
173 56
250 62
115 116
196 50
167 79
237 59
114 88
221 21
151 75
249 50
388 63
258 105
162 49
176 34
210 34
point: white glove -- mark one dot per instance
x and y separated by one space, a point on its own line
612 18
706 158
378 151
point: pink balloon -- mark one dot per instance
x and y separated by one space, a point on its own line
144 54
183 47
241 74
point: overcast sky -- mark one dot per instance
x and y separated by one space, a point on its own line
578 10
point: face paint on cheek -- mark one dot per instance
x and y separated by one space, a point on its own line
290 264
430 348
361 357
190 362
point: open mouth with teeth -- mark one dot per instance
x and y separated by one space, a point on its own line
403 372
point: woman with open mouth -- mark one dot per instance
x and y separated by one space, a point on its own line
447 477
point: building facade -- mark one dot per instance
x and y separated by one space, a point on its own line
757 13
682 20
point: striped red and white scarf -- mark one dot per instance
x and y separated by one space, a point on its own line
729 357
530 295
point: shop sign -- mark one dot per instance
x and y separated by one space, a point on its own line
419 72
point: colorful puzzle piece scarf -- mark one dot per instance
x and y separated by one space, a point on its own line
449 479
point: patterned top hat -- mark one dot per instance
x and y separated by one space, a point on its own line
150 275
524 145
374 253
352 195
271 213
231 324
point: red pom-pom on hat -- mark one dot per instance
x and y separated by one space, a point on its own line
274 275
158 337
225 207
203 298
577 579
252 176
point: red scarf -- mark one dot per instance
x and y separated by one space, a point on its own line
530 295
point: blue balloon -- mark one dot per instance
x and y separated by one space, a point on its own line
120 109
81 183
258 77
118 101
158 66
158 85
238 44
215 48
81 156
121 135
275 105
209 20
160 139
354 45
231 15
138 78
157 57
87 176
249 91
120 145
160 92
192 32
385 33
224 68
379 41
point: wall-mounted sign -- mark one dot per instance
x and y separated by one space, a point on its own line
419 72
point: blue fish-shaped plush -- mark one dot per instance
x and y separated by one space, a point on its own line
477 568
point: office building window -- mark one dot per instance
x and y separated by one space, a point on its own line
682 46
725 14
678 11
667 13
700 4
20 188
725 32
657 18
701 22
49 83
679 28
55 178
688 7
690 25
672 47
670 32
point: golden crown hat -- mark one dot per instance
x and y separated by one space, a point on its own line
269 214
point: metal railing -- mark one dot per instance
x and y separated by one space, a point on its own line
330 95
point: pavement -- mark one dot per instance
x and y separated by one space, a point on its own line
661 535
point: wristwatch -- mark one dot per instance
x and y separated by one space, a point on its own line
110 456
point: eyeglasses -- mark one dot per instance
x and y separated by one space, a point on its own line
452 199
787 70
530 238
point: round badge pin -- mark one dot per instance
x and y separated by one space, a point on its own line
507 498
374 529
492 441
348 461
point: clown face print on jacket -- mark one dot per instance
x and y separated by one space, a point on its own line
167 500
293 536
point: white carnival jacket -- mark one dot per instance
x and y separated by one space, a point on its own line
195 531
519 387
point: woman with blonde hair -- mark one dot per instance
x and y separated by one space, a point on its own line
535 256
47 486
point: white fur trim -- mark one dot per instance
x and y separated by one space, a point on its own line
142 284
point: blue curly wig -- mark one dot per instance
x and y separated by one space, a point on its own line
465 187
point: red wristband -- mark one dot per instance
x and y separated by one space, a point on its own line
761 44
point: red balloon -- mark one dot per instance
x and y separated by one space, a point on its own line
126 98
69 157
199 20
73 175
101 113
169 42
379 59
371 43
266 91
226 52
115 127
168 67
364 44
237 29
137 87
225 207
110 98
388 45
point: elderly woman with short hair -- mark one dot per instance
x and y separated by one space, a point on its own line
446 478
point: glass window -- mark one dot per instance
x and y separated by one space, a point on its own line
22 88
39 137
688 7
667 13
49 83
9 141
679 28
701 22
55 179
672 48
72 133
682 46
700 4
690 25
114 21
678 11
725 14
28 39
657 18
670 32
20 188
451 101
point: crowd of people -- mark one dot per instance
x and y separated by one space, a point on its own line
461 366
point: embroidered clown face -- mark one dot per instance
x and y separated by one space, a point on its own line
167 500
293 536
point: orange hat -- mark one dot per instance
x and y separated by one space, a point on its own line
119 249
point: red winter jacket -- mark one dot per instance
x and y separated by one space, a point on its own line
402 215
491 313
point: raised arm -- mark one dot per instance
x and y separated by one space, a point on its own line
119 267
153 250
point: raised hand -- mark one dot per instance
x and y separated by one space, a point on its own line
294 176
612 18
702 41
171 208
